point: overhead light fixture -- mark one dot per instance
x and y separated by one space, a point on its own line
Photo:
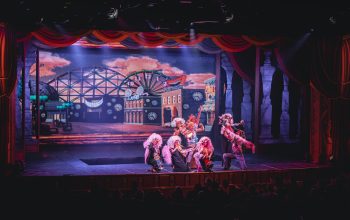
229 18
155 27
204 22
113 13
229 15
192 33
332 19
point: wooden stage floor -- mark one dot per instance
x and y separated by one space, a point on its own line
81 167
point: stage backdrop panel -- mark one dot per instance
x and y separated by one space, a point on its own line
108 91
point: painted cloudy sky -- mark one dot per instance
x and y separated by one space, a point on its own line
174 62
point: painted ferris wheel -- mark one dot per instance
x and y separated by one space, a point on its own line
145 82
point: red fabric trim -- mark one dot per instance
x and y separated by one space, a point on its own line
231 43
171 36
186 40
110 36
55 39
238 69
283 66
260 41
148 39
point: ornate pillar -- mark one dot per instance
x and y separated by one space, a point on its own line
246 109
284 122
19 150
30 60
298 134
267 71
225 63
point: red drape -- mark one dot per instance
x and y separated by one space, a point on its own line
341 109
229 43
238 69
315 137
110 36
58 39
322 61
284 68
8 79
148 39
341 131
325 65
261 41
345 71
329 73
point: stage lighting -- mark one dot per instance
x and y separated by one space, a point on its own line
192 33
332 19
155 27
113 13
229 18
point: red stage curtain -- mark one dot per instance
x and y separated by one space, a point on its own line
285 69
231 43
315 134
238 69
341 131
260 41
188 40
171 36
345 74
341 109
110 36
8 79
329 74
55 39
325 63
148 39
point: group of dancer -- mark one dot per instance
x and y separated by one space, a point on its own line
184 152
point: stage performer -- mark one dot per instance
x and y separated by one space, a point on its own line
186 135
153 155
226 120
194 126
177 154
179 125
204 154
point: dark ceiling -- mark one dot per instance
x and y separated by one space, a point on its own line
205 16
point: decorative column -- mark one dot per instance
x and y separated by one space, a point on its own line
267 71
284 122
298 134
19 146
225 63
246 109
30 144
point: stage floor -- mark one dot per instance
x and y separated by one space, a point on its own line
87 160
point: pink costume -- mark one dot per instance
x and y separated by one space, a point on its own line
236 142
204 153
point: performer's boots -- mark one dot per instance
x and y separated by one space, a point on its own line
226 161
242 164
209 167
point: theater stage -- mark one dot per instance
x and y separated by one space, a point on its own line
80 167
